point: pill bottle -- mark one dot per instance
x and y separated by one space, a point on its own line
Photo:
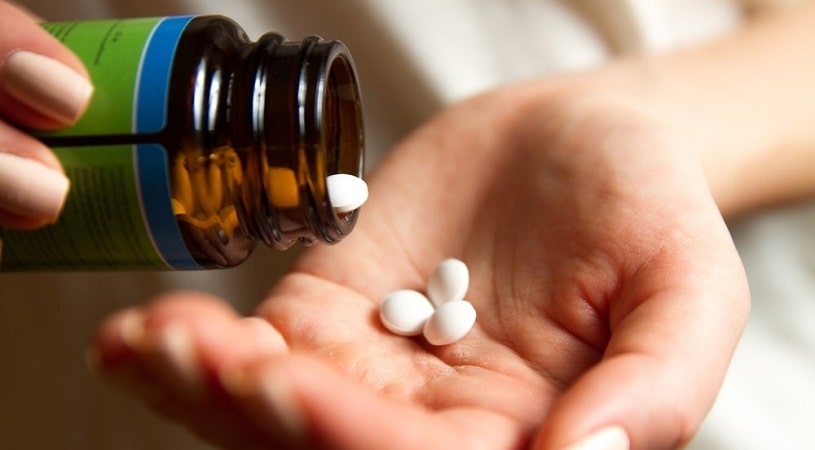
197 143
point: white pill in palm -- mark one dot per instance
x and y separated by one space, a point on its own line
451 322
346 192
404 312
449 282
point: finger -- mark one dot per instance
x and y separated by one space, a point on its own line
197 331
664 364
168 354
27 11
33 188
176 344
42 83
300 402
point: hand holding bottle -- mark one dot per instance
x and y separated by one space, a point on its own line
42 86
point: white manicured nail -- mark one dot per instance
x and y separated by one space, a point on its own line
46 85
30 189
177 351
608 438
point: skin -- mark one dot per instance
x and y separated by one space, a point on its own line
589 209
611 251
22 32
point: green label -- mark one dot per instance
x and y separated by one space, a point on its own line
111 51
99 227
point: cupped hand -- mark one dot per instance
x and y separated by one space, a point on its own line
43 86
608 292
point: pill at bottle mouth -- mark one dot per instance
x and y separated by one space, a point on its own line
404 312
449 323
448 282
346 192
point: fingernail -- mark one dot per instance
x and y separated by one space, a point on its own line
31 189
267 339
277 395
131 329
175 346
233 380
46 85
609 438
270 399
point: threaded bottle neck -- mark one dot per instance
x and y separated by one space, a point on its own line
299 105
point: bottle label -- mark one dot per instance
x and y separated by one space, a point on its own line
118 214
129 62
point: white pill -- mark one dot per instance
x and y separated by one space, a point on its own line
346 192
451 322
404 312
449 282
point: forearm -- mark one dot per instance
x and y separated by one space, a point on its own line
750 99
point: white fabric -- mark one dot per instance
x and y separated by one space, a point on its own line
768 399
414 57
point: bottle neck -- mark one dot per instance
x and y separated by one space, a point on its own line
299 105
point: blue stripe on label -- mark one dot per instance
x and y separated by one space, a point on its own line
151 159
154 189
154 75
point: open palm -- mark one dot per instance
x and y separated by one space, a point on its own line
607 288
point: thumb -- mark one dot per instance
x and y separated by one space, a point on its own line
42 83
663 366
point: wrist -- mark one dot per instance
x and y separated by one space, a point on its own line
744 99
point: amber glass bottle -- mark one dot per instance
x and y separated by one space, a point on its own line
198 142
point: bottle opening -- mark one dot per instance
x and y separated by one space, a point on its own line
342 137
342 117
311 130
